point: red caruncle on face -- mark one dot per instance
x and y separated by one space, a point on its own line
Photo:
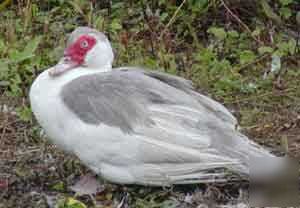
78 50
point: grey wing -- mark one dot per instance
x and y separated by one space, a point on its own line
119 98
187 86
180 133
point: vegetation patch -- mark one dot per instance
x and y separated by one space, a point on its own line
244 54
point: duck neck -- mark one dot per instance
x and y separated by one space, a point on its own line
104 68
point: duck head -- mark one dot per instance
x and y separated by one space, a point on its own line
86 47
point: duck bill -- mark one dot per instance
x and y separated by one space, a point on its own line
63 66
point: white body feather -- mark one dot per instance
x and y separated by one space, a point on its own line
126 158
168 152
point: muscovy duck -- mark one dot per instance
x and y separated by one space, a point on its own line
135 126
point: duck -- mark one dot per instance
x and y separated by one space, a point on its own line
132 125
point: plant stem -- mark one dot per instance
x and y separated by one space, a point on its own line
172 19
240 21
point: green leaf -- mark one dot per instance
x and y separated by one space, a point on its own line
2 45
17 57
292 46
99 22
249 88
218 32
24 113
3 70
70 203
199 3
27 53
3 65
163 16
247 56
32 45
150 62
285 2
269 12
233 34
59 186
285 12
206 56
265 49
286 48
115 25
14 85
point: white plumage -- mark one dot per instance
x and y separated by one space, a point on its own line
138 127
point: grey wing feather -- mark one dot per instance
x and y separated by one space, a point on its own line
177 82
97 99
175 126
187 86
119 98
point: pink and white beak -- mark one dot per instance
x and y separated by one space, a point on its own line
65 64
74 55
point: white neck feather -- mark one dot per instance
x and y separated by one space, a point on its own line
100 56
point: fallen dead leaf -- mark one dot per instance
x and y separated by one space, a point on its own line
3 183
87 185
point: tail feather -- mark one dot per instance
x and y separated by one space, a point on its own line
263 162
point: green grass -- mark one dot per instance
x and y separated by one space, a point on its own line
228 57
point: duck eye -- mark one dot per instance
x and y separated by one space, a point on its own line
84 44
67 58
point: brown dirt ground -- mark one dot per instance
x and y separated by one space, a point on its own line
32 170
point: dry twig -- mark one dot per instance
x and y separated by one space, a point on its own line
240 21
172 19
